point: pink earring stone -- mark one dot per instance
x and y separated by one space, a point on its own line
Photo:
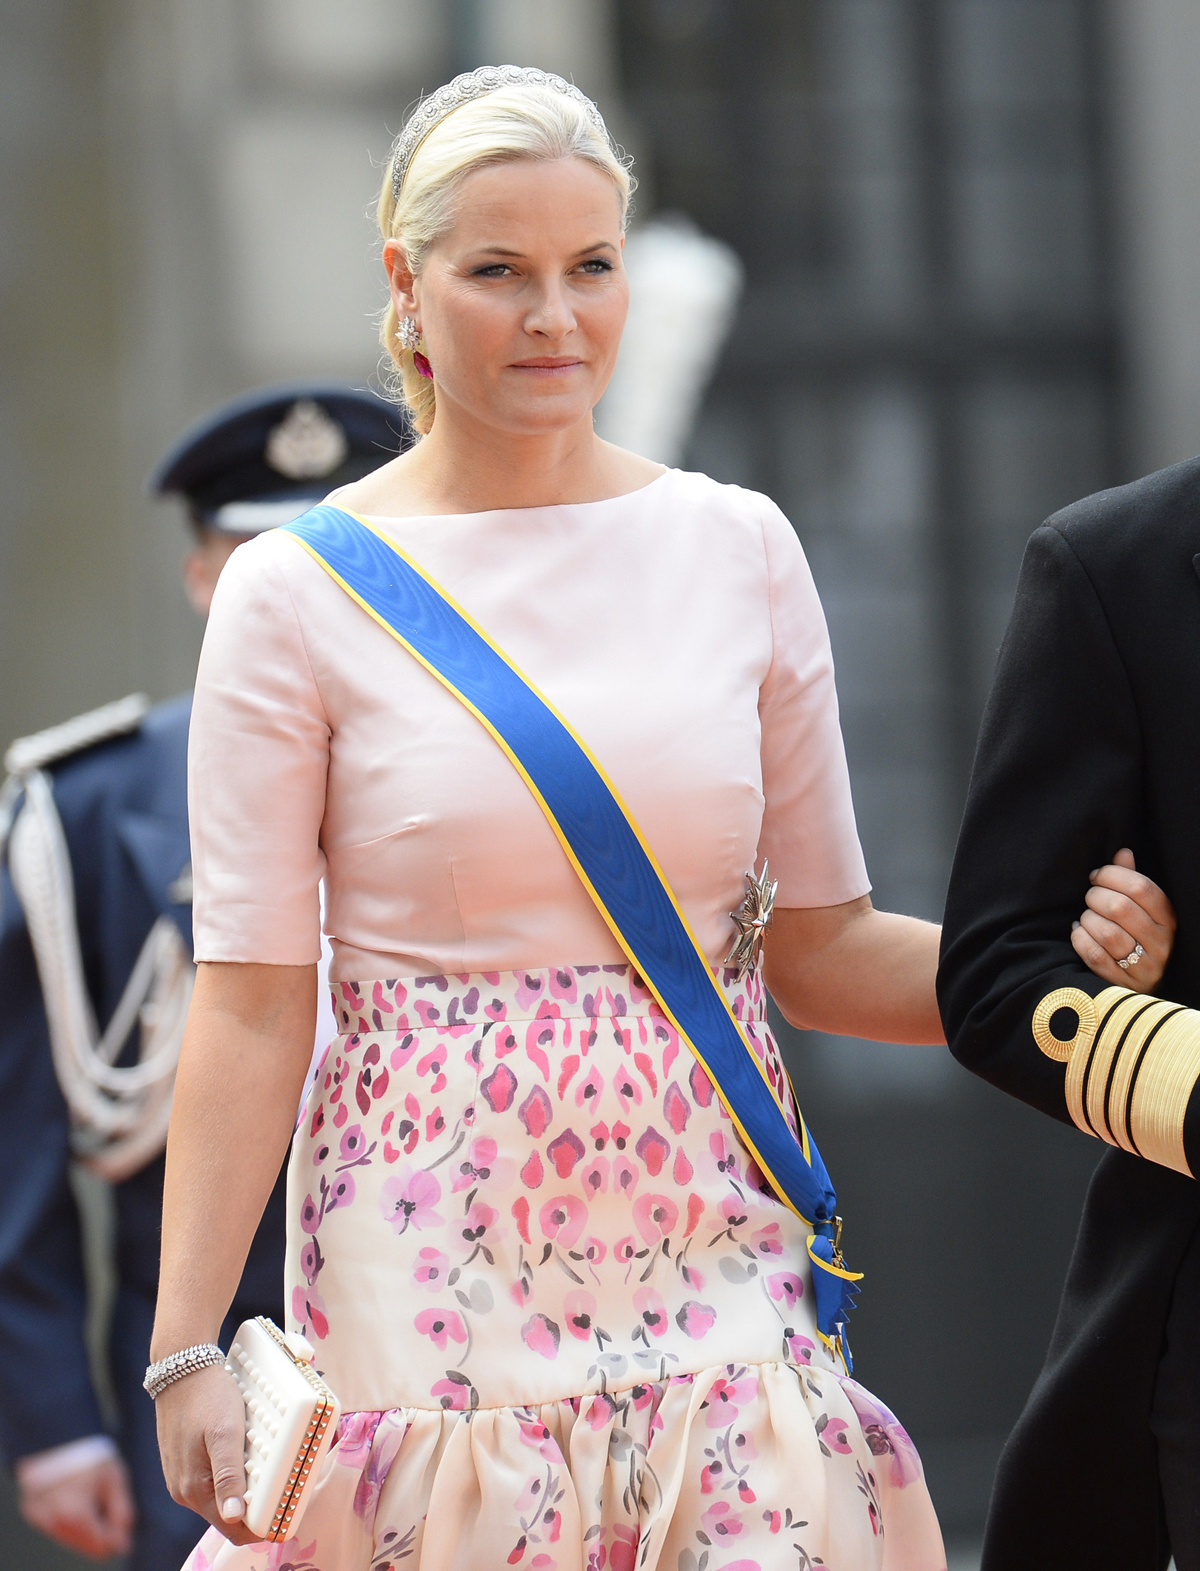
422 365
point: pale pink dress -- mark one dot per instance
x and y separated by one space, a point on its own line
571 1325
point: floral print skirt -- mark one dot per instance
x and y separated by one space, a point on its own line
570 1325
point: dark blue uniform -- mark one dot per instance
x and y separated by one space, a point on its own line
123 806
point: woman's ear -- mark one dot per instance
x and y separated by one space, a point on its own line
400 277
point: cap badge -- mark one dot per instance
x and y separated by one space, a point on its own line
307 444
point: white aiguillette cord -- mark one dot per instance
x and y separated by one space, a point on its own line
120 1115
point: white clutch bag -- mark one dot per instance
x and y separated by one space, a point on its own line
291 1418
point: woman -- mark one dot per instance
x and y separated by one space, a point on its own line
568 1320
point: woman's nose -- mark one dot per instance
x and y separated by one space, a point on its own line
551 314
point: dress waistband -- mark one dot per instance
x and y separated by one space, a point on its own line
591 992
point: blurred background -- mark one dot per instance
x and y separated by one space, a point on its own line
970 234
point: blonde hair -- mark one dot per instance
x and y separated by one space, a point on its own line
512 123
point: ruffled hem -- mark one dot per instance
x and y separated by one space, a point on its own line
738 1468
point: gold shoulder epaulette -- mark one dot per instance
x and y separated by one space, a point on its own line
72 736
1131 1068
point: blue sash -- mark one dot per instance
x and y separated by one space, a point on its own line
608 852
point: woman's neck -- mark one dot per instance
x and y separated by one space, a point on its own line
457 471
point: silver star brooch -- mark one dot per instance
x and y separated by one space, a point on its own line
752 922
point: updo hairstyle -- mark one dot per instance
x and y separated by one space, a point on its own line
513 122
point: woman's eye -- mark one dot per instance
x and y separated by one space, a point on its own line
597 264
492 270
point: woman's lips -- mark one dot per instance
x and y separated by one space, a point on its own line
547 365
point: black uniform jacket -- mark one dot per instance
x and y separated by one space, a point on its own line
123 806
1090 742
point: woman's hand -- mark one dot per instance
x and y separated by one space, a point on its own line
1125 909
202 1439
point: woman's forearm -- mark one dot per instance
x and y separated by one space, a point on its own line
855 971
245 1054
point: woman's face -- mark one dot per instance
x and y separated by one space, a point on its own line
522 303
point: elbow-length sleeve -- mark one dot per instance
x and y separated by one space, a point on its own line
809 836
258 757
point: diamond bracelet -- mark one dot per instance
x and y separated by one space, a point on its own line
186 1362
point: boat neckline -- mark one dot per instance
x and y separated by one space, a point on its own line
544 507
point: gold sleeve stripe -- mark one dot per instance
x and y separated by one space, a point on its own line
1131 1068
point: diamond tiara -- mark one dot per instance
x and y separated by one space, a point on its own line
464 89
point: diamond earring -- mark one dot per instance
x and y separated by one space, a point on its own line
408 333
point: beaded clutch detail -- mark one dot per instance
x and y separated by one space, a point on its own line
291 1418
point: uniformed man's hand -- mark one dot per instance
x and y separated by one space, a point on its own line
90 1511
1125 909
202 1438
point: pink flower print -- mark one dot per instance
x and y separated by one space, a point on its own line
800 1348
318 1121
629 1093
535 1113
711 1476
726 1396
567 1073
651 1310
594 1177
655 1216
342 1113
599 1133
354 1436
542 1335
695 1210
624 1249
766 1240
785 1287
720 1161
431 1268
682 1172
743 1447
831 1434
701 1086
483 1166
476 1223
499 1088
530 988
653 1150
538 1038
593 1250
773 1520
310 1215
624 1175
404 1049
441 1324
646 1070
353 1143
677 1108
620 1135
408 1198
563 1219
341 1192
695 1319
563 985
520 1211
308 1311
721 1521
531 1173
452 1395
535 1434
622 1551
565 1152
600 1411
732 1213
884 1434
579 1307
311 1261
589 1089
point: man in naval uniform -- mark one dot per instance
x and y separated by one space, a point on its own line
95 975
1090 742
